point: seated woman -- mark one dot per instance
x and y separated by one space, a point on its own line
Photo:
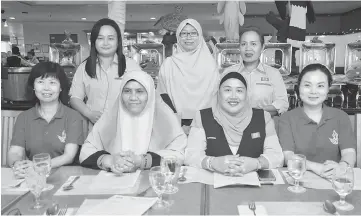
48 127
136 132
231 137
321 133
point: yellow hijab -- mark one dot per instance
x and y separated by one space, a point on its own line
189 78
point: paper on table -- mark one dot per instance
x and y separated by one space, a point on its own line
123 205
8 181
88 204
194 174
248 179
244 210
109 180
83 184
284 208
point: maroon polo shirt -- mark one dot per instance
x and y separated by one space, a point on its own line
36 135
318 142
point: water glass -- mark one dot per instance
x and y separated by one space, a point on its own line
170 166
36 182
297 167
42 163
158 181
342 183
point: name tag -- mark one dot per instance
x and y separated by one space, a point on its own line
264 79
255 135
211 138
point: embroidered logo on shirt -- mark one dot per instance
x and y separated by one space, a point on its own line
264 79
334 139
62 137
255 135
211 138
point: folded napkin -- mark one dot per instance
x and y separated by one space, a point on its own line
244 210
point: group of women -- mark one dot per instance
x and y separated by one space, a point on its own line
221 123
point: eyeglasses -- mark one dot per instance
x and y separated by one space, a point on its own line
185 34
15 212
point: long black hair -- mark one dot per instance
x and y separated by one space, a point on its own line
49 69
91 61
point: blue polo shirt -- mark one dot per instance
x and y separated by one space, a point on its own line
318 142
36 135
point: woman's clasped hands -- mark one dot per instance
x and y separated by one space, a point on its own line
233 165
124 162
19 168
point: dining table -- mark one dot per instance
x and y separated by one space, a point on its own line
191 198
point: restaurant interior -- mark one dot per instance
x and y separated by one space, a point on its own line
59 31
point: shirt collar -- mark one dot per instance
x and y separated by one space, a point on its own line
115 59
59 113
327 114
260 68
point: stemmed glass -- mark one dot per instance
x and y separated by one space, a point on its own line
170 166
342 183
36 182
297 167
42 163
158 181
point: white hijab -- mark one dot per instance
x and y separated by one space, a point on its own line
155 129
189 78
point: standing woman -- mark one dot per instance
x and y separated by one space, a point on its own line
188 78
98 78
267 90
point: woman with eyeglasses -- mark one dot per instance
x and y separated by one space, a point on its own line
188 78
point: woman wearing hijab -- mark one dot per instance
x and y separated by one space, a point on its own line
188 78
136 132
231 137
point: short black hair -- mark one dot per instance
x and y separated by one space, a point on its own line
15 50
49 69
315 67
254 29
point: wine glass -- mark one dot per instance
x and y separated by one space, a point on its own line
170 166
297 167
42 163
158 181
36 182
342 183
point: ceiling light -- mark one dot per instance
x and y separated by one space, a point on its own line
11 17
5 24
83 18
153 18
